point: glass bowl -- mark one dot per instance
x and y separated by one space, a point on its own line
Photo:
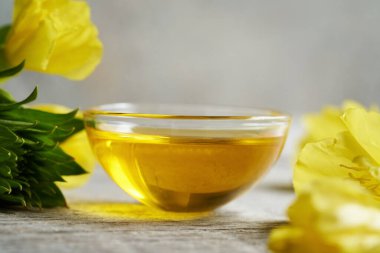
185 158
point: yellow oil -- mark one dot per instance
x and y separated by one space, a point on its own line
183 173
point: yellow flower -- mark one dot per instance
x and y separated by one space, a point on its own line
76 146
337 183
352 154
55 37
330 216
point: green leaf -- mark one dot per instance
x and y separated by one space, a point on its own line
12 165
4 154
54 132
5 97
30 98
51 196
3 190
17 125
71 168
76 124
7 136
30 157
13 157
11 71
14 184
43 140
5 171
61 126
56 154
12 200
43 117
34 199
4 184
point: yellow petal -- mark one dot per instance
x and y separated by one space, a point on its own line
364 126
329 118
324 159
54 36
327 123
76 146
330 216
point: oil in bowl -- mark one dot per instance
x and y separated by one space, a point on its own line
184 162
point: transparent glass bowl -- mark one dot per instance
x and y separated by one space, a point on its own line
185 158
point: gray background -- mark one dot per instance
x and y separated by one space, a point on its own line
291 55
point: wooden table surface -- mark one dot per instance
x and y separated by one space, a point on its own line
102 218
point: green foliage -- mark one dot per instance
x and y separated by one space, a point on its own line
11 71
30 157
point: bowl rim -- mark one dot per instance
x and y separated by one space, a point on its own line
268 114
